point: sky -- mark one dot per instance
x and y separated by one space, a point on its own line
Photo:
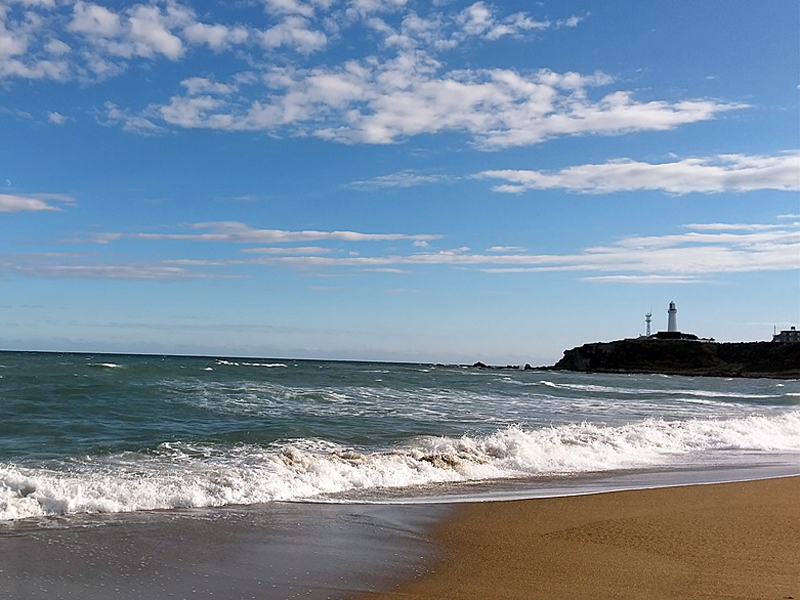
395 180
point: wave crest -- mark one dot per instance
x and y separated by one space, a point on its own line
183 475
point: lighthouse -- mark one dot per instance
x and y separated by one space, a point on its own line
672 314
672 332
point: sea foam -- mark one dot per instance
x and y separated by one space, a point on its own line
183 475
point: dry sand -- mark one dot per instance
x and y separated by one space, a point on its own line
732 540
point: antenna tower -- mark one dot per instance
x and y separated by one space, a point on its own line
647 319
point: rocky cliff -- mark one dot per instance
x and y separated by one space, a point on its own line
685 357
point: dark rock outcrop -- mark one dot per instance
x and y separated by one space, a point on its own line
685 357
480 365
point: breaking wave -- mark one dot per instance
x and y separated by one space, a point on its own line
183 475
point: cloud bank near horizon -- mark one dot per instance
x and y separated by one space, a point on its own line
705 250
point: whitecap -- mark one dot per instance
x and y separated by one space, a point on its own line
182 475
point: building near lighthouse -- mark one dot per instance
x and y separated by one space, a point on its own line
787 336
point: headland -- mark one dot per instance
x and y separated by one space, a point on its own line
685 357
673 352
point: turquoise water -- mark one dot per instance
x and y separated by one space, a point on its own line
84 433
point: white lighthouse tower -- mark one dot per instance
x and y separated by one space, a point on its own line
672 314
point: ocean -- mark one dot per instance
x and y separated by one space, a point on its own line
130 476
97 434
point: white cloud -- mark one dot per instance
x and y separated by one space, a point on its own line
644 279
232 231
134 123
285 251
704 250
294 32
669 258
216 36
56 118
150 33
378 98
95 20
89 41
401 88
24 52
481 20
382 102
35 202
54 46
188 112
506 249
389 270
572 21
401 179
723 173
130 272
143 30
363 8
204 85
291 7
732 226
476 19
697 255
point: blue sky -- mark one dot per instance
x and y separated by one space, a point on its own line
398 180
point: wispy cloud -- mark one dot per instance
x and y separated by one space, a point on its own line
645 279
105 271
401 179
705 250
235 232
302 250
733 226
695 255
679 257
56 118
506 249
32 202
723 173
114 116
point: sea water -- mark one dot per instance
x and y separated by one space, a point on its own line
91 433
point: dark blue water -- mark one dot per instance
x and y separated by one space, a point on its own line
111 433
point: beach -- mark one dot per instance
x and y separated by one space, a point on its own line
271 551
730 540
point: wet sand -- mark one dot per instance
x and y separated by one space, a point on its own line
274 551
731 540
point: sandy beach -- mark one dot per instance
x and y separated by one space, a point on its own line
732 540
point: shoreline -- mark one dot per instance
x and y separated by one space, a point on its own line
275 550
719 540
733 539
